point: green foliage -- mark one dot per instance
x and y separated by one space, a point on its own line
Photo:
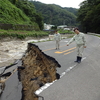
65 32
72 10
21 34
56 15
20 12
25 13
11 14
29 9
39 20
89 15
54 27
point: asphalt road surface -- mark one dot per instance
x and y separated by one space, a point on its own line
78 81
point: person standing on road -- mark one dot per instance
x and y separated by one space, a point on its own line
57 38
79 38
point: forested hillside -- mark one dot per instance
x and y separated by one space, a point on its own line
56 15
89 16
72 10
20 12
26 12
11 14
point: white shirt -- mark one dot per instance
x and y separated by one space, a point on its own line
57 37
79 39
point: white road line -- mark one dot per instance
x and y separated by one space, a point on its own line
48 84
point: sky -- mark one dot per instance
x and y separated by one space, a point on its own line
63 3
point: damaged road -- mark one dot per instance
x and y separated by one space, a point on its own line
77 81
20 80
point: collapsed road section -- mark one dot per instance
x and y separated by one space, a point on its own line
32 71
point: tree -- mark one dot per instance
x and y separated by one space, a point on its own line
29 9
89 14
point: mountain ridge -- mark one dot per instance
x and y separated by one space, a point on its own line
55 14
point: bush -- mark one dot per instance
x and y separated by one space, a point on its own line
22 34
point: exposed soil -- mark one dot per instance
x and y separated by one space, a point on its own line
38 69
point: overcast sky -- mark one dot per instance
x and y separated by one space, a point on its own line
63 3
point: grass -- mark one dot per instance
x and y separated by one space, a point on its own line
20 34
97 35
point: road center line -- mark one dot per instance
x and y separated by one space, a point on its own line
53 48
69 52
65 50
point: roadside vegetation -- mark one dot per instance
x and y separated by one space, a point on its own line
97 35
20 13
89 16
23 12
23 34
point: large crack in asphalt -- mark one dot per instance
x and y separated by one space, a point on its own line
20 80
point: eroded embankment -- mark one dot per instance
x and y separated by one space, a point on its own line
36 70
